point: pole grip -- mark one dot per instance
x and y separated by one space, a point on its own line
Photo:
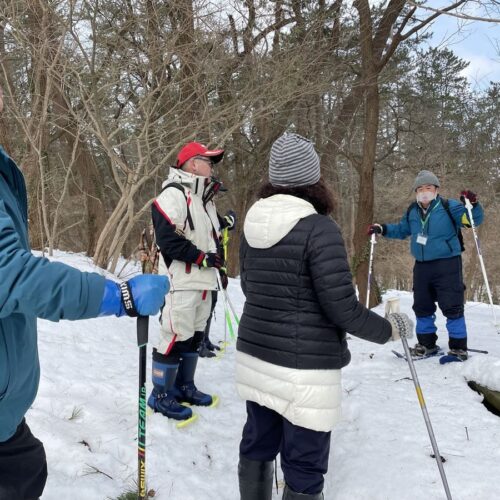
142 330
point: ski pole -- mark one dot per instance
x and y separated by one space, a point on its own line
468 205
373 241
231 307
142 341
427 419
226 307
225 242
392 306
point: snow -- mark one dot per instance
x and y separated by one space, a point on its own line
86 415
485 372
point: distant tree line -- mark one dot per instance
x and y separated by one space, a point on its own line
100 95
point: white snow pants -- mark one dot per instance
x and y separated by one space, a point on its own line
185 312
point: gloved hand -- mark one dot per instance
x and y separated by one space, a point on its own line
212 260
143 295
375 229
470 195
230 219
402 325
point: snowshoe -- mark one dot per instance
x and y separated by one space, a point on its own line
454 355
421 351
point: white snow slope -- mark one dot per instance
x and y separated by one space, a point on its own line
86 415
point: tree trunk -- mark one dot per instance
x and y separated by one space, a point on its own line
364 216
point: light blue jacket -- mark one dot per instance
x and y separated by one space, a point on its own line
441 233
30 287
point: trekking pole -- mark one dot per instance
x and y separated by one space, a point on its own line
142 341
231 307
468 205
392 306
225 242
226 307
373 241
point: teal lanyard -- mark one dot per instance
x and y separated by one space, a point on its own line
424 221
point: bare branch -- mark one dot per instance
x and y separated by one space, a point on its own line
446 10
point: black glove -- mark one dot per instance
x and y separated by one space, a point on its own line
375 229
230 219
470 195
212 260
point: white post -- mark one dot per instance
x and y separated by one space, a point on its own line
370 266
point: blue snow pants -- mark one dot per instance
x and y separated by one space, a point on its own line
304 452
439 281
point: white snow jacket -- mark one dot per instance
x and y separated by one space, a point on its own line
300 301
185 230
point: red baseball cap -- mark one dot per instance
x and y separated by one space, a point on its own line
196 149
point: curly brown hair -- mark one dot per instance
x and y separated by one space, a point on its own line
318 195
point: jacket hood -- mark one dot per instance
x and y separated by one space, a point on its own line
195 183
269 220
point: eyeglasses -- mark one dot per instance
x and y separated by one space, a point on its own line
205 159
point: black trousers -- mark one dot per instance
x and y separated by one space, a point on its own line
23 466
304 452
438 281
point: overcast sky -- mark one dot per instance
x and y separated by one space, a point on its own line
474 41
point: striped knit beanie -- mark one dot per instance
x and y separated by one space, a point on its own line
293 162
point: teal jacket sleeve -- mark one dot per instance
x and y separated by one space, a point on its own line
399 231
461 214
34 286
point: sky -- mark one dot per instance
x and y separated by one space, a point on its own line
477 42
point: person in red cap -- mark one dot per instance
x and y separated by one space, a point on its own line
187 232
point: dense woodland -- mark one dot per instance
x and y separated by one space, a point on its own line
100 95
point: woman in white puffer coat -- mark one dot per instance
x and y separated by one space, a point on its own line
300 302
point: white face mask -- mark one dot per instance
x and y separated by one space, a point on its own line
426 196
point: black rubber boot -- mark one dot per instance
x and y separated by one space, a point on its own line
256 479
186 390
289 494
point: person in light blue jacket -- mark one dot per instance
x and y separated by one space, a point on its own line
30 288
434 224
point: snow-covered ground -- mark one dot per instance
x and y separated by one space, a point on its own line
86 415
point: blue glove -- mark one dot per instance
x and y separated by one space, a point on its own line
143 295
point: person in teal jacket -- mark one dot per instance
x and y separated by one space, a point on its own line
434 224
30 288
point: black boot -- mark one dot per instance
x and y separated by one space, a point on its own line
163 397
184 384
205 352
289 494
256 479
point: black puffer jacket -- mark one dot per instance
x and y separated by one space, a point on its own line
300 300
